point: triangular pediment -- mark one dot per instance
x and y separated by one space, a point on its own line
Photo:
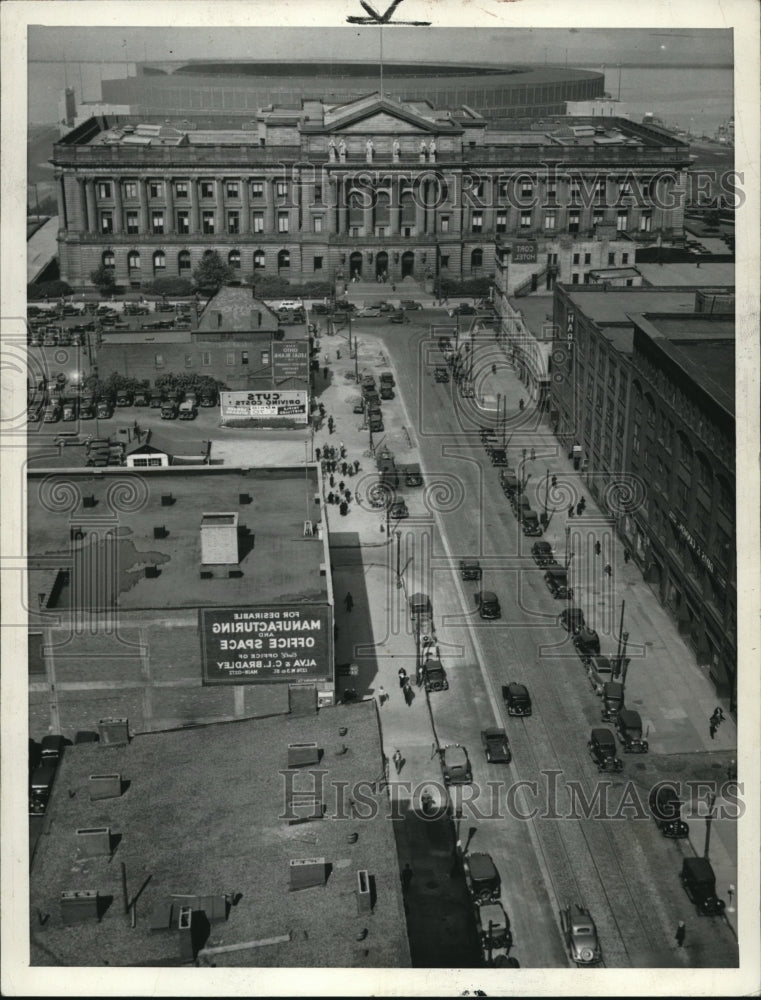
375 114
385 122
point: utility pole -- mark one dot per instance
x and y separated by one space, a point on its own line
567 561
709 820
398 559
619 654
546 498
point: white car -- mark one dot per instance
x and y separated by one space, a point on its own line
290 304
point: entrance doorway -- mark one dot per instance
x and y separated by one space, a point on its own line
381 264
408 263
355 265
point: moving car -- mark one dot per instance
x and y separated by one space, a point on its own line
289 304
556 579
666 807
602 750
699 883
455 765
408 304
580 935
412 475
463 309
541 553
530 524
482 877
369 312
496 746
398 509
587 643
470 569
399 317
420 604
612 700
629 728
516 698
488 605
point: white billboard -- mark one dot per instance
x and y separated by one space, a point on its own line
289 405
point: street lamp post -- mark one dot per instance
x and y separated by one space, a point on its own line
356 362
546 498
567 561
398 559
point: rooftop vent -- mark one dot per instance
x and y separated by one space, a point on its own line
219 539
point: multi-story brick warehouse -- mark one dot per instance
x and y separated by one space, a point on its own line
367 189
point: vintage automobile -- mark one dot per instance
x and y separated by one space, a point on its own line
156 400
123 397
602 749
496 746
52 412
387 378
580 935
482 878
467 390
142 397
462 309
398 509
420 604
208 397
399 316
455 765
410 304
612 700
530 523
488 605
470 569
629 728
600 670
541 553
386 391
412 474
586 643
556 579
498 456
375 421
699 883
69 409
434 676
367 382
169 409
493 927
445 344
666 809
572 620
369 312
441 374
509 482
516 698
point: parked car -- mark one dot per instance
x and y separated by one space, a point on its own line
399 317
123 397
169 409
498 457
541 553
187 410
104 409
629 729
612 700
455 764
320 309
40 787
587 643
375 422
488 605
602 750
445 344
493 927
343 305
599 671
509 482
52 412
289 304
556 579
142 397
410 304
420 604
52 749
412 474
580 935
496 746
156 400
208 397
369 312
387 378
398 510
470 569
386 392
516 698
482 877
434 676
666 809
69 412
530 524
699 883
462 309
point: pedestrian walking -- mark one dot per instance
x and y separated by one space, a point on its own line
521 404
331 425
348 601
407 874
402 677
554 480
712 726
342 447
332 480
382 696
321 408
579 508
343 508
571 510
327 359
608 570
533 454
718 715
325 372
627 555
338 354
398 760
342 486
347 494
681 933
598 547
408 693
356 466
331 497
317 454
344 468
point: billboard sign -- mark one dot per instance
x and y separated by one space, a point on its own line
247 405
266 644
290 359
524 252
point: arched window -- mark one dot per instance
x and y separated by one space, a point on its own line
233 259
685 455
133 260
283 260
259 260
159 261
705 472
476 258
183 261
109 260
357 201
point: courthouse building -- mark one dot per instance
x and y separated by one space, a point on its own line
372 188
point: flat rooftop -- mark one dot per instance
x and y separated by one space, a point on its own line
205 813
537 314
699 273
614 306
277 563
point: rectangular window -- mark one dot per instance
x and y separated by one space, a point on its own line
282 222
598 217
622 220
575 191
206 359
183 221
145 463
257 189
133 222
501 222
574 278
207 189
188 360
586 277
244 357
576 258
130 189
444 222
611 260
318 194
265 359
477 222
318 223
317 264
587 258
381 230
527 189
574 220
158 360
232 189
601 189
445 260
157 223
208 223
645 222
230 358
281 188
106 222
180 189
104 189
355 231
155 189
624 258
525 220
549 220
552 190
258 222
233 222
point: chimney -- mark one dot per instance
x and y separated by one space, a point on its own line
219 539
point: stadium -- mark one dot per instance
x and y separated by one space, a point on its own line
241 87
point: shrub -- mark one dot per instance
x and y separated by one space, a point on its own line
53 289
170 286
212 273
103 278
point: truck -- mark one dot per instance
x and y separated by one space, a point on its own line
169 410
87 406
493 929
142 396
187 410
69 411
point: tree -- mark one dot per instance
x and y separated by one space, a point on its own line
103 278
212 272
